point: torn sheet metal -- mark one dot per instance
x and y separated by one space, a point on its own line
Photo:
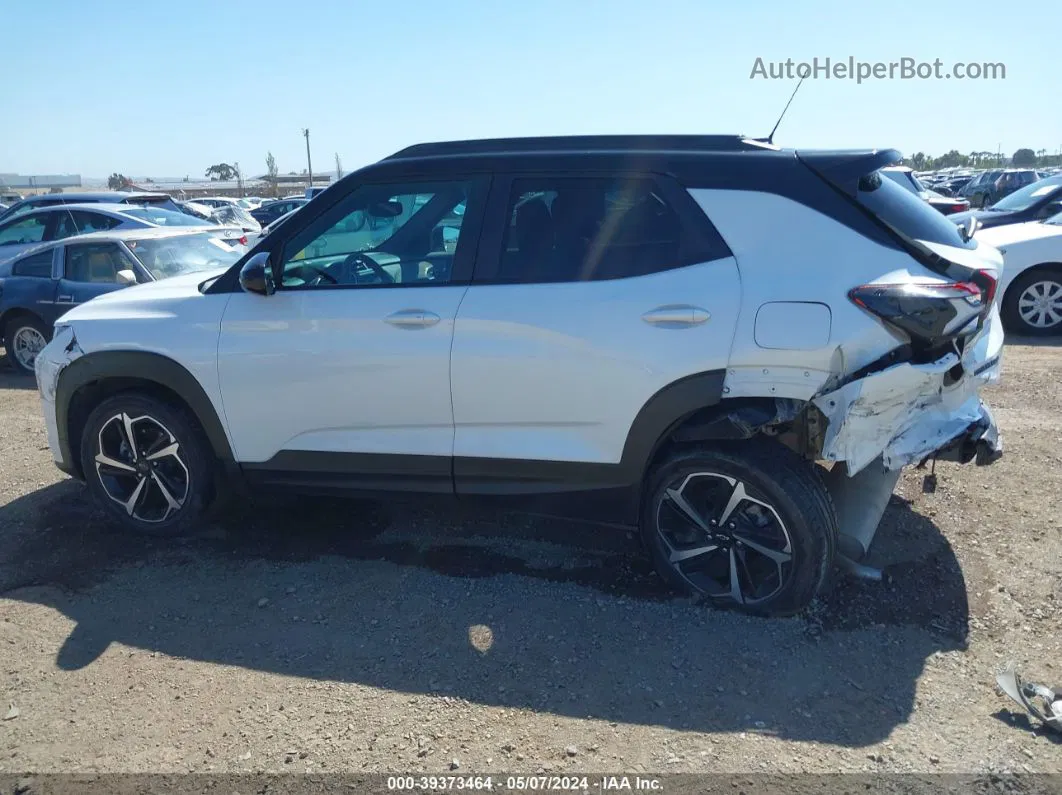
55 358
906 412
743 422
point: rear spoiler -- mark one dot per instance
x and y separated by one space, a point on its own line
844 169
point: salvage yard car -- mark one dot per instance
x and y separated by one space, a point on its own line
1032 288
591 326
42 284
160 200
44 225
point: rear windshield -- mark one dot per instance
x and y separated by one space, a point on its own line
1026 197
165 202
908 214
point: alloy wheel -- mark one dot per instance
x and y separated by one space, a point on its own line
724 542
140 467
1040 304
28 342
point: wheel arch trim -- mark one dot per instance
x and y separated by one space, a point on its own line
139 366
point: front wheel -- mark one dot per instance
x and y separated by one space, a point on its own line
147 464
747 525
24 338
1033 303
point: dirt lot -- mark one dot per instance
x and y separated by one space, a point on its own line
328 636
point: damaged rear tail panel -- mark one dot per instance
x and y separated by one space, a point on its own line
930 405
909 328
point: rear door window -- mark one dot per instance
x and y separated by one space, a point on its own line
571 229
88 221
36 265
907 214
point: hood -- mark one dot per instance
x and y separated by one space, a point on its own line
1017 233
144 299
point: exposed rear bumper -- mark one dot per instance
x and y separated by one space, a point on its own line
980 442
909 412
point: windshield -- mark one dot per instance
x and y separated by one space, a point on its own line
1026 197
160 217
907 214
170 256
1055 219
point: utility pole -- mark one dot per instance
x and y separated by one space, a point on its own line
309 166
239 179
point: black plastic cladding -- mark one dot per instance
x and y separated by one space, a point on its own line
728 164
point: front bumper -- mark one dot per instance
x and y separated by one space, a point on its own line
908 412
50 362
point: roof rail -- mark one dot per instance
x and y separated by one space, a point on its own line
581 143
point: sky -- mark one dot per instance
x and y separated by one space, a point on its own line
167 89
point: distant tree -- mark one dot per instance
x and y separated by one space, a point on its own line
117 181
1024 157
271 172
220 171
951 159
918 161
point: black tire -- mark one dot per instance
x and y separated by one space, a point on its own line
13 327
1010 312
151 420
800 521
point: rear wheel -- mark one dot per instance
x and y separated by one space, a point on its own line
1033 303
747 525
147 464
24 337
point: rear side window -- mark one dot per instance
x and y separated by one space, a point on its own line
565 230
907 214
37 265
87 221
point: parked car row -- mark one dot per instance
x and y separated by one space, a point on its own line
46 224
53 278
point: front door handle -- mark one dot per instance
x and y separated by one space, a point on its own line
65 299
412 318
676 316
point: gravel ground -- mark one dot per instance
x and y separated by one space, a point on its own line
338 637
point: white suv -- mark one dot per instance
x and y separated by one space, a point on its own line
667 332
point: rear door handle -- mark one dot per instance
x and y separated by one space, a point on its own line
412 318
676 316
65 299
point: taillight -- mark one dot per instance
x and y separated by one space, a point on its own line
243 240
987 282
928 312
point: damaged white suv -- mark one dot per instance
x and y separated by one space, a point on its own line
732 346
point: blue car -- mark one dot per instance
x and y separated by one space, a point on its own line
44 283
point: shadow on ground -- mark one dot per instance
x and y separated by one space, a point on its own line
494 609
10 378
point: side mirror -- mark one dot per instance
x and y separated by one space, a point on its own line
256 276
125 277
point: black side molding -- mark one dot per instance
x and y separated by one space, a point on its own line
131 367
